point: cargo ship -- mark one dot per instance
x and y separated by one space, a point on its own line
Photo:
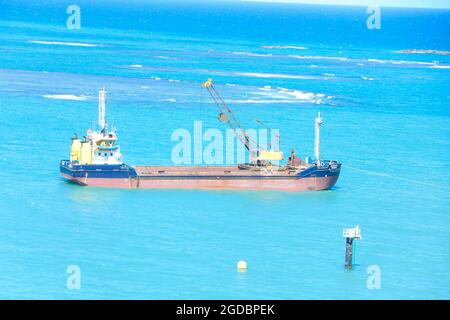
96 160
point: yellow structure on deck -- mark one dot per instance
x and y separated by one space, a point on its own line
81 151
86 152
269 155
75 150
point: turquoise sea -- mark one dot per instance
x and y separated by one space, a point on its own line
387 119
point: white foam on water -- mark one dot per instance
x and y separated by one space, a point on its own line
440 67
262 101
61 43
417 62
379 61
295 47
166 58
283 95
270 75
300 95
174 80
251 54
285 47
376 60
65 97
367 78
319 57
171 100
400 62
136 66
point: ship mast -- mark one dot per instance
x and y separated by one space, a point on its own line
101 109
317 137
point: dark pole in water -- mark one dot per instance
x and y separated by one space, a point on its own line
349 235
348 253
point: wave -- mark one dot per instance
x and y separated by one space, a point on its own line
271 75
251 54
427 51
261 101
166 58
136 66
284 47
380 61
65 97
367 78
436 66
283 95
319 57
400 62
60 43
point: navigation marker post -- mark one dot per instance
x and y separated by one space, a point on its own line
350 234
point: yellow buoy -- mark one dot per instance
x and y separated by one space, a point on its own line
242 266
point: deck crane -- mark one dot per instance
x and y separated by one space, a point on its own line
268 128
258 156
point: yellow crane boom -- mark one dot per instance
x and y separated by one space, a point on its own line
227 115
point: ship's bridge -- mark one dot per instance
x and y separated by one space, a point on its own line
98 147
104 148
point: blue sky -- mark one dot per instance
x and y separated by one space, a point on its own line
382 3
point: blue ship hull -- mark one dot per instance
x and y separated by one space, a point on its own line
314 177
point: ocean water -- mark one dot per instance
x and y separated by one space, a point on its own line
387 119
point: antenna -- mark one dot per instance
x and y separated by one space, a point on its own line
102 108
317 137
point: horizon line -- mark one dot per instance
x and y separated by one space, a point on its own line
331 3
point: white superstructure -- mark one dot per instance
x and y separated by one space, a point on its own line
104 147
